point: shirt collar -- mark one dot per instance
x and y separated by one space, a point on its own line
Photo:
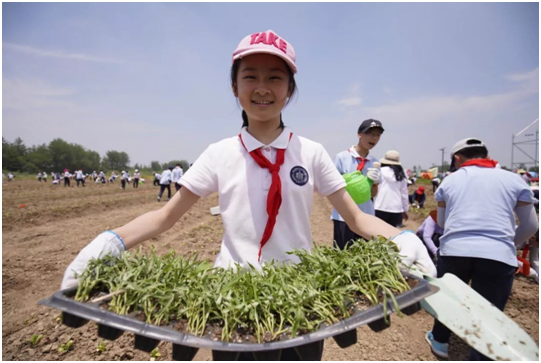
355 154
251 143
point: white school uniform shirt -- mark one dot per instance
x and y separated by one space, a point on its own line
392 195
165 177
80 175
136 175
347 162
177 174
67 174
39 175
479 217
226 167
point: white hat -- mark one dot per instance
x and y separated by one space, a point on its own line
392 157
464 144
136 170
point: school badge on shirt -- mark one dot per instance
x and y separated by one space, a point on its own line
299 175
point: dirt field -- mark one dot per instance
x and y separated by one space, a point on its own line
42 237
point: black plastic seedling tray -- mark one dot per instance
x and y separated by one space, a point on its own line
185 346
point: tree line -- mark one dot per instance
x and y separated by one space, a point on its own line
60 154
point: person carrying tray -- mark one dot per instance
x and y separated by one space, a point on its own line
265 177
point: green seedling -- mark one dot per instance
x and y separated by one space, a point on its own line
101 347
58 319
35 339
65 346
278 298
155 354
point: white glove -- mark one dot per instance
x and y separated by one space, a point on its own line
374 174
414 252
106 243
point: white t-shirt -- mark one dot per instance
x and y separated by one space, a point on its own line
136 175
392 195
177 174
479 217
80 175
67 174
165 178
227 168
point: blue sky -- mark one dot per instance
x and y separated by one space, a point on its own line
152 79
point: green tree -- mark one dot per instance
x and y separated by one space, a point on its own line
115 160
155 166
534 169
61 156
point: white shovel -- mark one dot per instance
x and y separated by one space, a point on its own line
479 323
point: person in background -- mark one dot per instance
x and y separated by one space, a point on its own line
524 176
94 175
102 178
156 178
66 178
391 203
136 177
413 179
44 176
10 176
113 177
417 199
358 157
165 183
477 246
435 184
177 174
429 232
39 176
123 179
80 177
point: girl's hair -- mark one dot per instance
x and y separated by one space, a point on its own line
398 171
292 88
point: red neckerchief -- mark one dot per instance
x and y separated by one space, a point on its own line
362 161
274 198
485 163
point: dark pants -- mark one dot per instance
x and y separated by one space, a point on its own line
177 186
435 186
343 236
491 279
39 179
136 183
162 188
411 197
156 182
66 181
123 183
80 181
394 219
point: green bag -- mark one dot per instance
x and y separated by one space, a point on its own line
358 186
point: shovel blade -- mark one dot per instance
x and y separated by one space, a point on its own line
479 323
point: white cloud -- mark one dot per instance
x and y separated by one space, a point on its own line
350 101
59 54
534 74
19 94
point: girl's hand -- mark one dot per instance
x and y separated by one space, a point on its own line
106 243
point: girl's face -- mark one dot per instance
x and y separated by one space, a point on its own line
262 86
370 138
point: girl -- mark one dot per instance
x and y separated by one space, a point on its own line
265 177
392 202
136 177
66 178
357 158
